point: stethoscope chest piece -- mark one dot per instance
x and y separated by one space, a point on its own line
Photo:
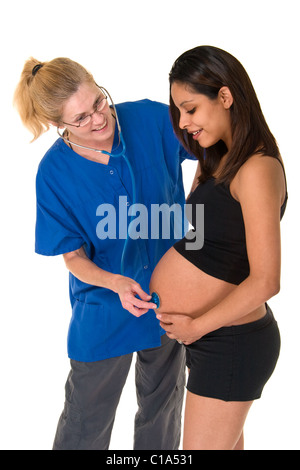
155 299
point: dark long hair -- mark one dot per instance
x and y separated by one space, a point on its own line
206 69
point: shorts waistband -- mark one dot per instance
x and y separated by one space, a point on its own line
246 327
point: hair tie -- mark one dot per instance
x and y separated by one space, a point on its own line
36 68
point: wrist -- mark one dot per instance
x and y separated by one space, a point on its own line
197 327
113 281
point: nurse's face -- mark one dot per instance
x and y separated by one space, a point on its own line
99 131
207 120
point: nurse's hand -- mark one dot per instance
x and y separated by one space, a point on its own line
128 289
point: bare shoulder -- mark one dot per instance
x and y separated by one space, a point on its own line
260 173
261 164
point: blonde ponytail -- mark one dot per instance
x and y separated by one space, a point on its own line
43 89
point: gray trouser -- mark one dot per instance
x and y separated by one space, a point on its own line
93 390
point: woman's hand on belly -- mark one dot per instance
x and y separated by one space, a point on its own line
179 327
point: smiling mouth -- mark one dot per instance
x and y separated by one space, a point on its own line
196 133
101 127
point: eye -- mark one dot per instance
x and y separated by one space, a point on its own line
81 118
191 111
101 104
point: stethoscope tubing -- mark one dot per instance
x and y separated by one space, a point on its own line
113 155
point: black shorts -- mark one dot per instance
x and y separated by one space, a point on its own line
234 363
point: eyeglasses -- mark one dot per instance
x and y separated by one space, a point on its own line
83 121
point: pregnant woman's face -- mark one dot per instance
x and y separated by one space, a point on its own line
207 120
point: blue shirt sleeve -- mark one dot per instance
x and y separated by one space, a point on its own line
56 230
185 155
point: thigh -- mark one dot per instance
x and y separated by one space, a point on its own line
212 424
164 366
93 391
160 379
91 383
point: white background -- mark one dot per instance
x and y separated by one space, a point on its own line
130 46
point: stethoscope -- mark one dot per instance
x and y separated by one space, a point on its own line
122 153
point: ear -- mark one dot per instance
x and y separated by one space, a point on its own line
225 97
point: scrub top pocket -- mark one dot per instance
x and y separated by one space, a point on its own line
88 327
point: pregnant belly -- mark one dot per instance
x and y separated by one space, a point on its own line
184 288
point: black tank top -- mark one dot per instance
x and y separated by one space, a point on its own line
224 252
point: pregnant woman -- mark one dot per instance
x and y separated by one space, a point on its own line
213 299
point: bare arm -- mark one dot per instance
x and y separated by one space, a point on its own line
260 189
86 271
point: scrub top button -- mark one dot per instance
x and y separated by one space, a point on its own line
111 172
146 266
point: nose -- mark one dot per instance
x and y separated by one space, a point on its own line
184 120
98 117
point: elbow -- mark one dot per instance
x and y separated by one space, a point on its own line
69 257
274 288
269 288
265 285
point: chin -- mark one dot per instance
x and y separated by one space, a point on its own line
205 144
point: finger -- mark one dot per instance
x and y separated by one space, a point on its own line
165 318
170 335
143 295
130 299
165 326
140 304
137 312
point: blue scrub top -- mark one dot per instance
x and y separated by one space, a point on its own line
71 191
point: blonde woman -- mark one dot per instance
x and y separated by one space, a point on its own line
112 314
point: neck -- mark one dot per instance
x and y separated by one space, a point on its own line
89 153
90 144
